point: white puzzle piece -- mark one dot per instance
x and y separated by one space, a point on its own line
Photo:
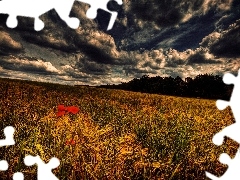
232 172
9 140
101 4
44 171
36 8
18 176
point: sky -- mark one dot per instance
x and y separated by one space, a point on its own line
150 37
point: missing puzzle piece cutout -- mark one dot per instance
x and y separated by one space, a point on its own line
44 171
232 172
9 140
3 165
18 176
8 133
235 97
34 9
231 131
100 4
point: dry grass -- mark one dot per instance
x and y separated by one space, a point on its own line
117 134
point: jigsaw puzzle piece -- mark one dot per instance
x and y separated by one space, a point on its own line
44 170
26 8
18 176
101 4
229 78
221 104
8 133
6 8
63 8
34 9
12 21
231 131
235 97
3 165
232 172
211 176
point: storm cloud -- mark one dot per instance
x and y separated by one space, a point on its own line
172 12
228 44
7 44
154 37
24 64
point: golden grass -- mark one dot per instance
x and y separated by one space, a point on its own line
117 134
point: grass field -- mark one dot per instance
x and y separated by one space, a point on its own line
117 134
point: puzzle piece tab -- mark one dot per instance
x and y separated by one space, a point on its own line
18 176
3 165
44 171
232 172
231 131
8 133
101 4
36 8
235 97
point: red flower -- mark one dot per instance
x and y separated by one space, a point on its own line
64 110
70 142
61 108
60 113
72 109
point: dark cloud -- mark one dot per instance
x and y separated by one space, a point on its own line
91 67
149 37
74 73
24 65
200 58
210 39
95 53
56 41
228 45
172 12
8 45
161 12
197 23
88 40
56 34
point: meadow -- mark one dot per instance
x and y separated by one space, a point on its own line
115 135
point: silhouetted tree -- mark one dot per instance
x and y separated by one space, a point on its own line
203 85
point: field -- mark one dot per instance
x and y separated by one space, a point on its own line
115 135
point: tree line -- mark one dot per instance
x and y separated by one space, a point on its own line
205 86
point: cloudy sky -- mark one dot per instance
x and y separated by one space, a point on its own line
150 37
